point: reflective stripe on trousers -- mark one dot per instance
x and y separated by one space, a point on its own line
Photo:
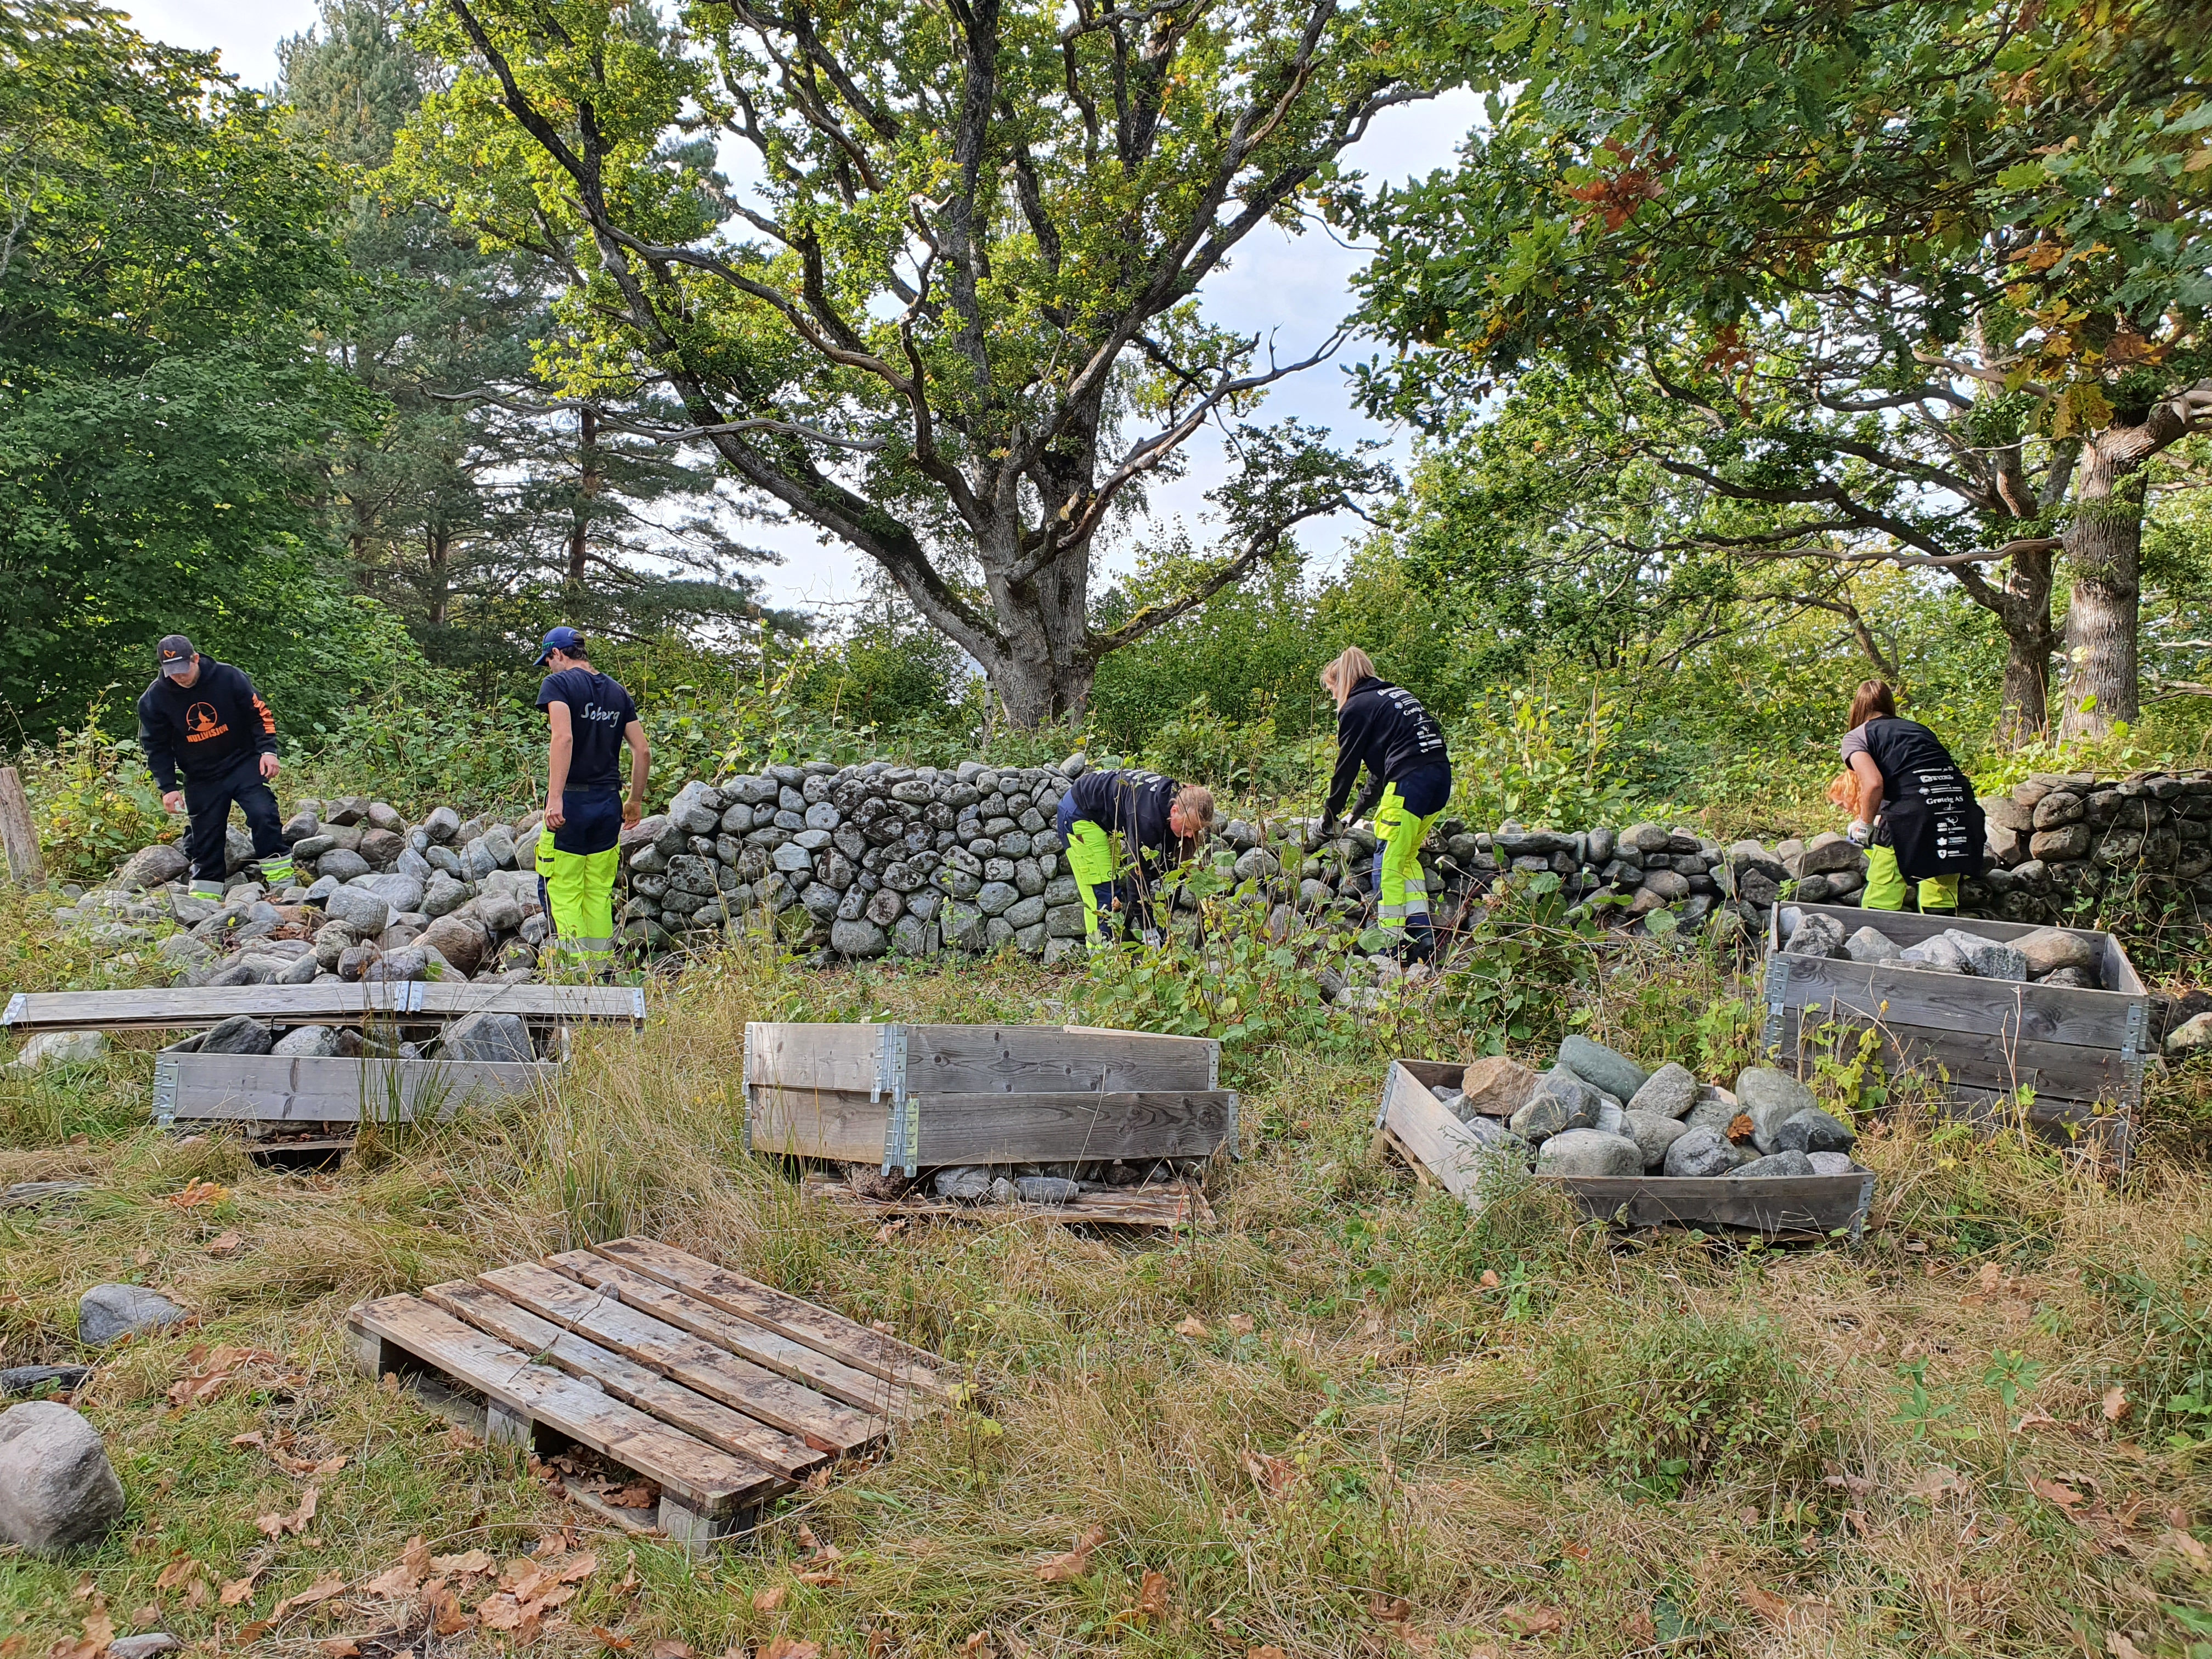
1400 888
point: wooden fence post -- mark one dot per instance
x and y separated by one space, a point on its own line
19 835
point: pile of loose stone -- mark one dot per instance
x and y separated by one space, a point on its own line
2050 956
2060 840
375 899
1026 1183
1596 1112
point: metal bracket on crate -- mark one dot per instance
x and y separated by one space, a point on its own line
1777 998
890 1080
2131 1044
910 1106
1213 1065
164 1091
745 1087
1382 1106
16 1004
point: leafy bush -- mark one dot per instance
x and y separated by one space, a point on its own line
93 800
1521 753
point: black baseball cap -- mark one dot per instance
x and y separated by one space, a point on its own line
177 655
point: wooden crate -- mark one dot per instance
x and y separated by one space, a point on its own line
1413 1122
289 1089
721 1391
1169 1208
2079 1052
177 1008
915 1096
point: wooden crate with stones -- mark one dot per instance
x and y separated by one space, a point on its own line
2072 1054
718 1391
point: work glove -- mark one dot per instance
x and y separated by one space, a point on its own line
1860 833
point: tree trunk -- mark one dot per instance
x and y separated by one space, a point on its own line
438 553
2104 548
2024 710
1045 671
587 487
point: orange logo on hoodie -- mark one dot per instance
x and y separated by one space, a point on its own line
202 723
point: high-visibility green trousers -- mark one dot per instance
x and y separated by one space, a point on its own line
1402 891
1094 858
1885 885
580 898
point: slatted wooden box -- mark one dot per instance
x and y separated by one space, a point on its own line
1773 1207
911 1097
299 1090
2079 1052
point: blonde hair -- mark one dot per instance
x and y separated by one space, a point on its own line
1196 801
1350 668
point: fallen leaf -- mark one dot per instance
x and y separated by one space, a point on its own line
447 1618
769 1600
239 1590
342 1647
2189 1549
2115 1403
1489 1280
398 1583
2035 1418
1990 1277
818 1577
2055 1492
1739 1127
637 1497
1931 1484
577 1568
1767 1605
1266 1651
254 1632
1063 1569
1533 1621
321 1590
195 1195
175 1574
980 1641
1273 1475
2119 1647
607 1639
275 1526
784 1648
223 1245
1243 1324
216 1370
1193 1327
462 1567
1152 1596
250 1438
1388 1610
504 1611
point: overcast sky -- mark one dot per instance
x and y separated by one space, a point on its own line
1291 288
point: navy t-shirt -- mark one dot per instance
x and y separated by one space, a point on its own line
599 710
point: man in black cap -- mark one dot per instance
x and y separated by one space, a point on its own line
204 718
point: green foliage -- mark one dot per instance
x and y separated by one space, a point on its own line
1673 1402
1519 754
1510 976
94 800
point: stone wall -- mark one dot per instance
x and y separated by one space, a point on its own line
2134 852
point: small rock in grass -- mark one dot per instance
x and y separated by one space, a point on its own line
1815 1131
1776 1164
107 1313
1602 1067
1670 1091
1588 1152
19 1380
57 1490
1871 945
49 1051
2191 1035
144 1645
1654 1132
963 1184
1701 1152
1048 1189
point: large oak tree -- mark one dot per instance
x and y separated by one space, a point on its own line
952 322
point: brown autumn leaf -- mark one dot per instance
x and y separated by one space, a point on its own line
1273 1475
196 1195
612 1639
1063 1568
252 1632
175 1573
222 1243
820 1577
1152 1596
446 1617
275 1526
1931 1484
784 1648
2117 1644
769 1600
342 1647
239 1590
2115 1403
462 1567
1776 1609
1535 1621
1739 1127
2189 1549
250 1438
1193 1326
1989 1278
504 1611
321 1590
637 1497
1243 1324
1388 1610
1266 1651
2055 1492
577 1568
2034 1419
1489 1280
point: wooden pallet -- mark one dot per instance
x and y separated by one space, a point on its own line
1168 1206
1413 1123
326 1089
185 1008
721 1391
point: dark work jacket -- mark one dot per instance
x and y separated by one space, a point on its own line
1930 816
204 729
1133 804
1384 728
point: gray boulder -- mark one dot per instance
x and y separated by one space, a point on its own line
445 893
314 1042
858 937
108 1313
1770 1098
144 1645
488 1035
18 1381
1817 936
2073 979
150 866
1653 1133
1815 1131
241 1033
1046 1189
1562 1101
49 1051
1988 958
1939 955
963 1184
407 962
1670 1091
364 911
1602 1067
2192 1036
1588 1152
1701 1152
1871 945
2047 950
1832 1163
343 865
441 826
57 1490
1775 1164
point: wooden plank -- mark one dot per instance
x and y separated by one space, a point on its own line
1911 927
18 832
1001 1128
679 1355
694 1413
2066 1071
843 1124
818 1328
2045 1013
1766 1204
703 1475
326 1089
1053 1059
1432 1135
2118 972
1170 1207
184 1008
841 1058
743 1338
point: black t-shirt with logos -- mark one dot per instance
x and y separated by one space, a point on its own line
599 711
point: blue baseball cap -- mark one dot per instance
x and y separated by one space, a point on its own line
566 640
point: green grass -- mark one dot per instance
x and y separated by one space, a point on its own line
1662 1444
